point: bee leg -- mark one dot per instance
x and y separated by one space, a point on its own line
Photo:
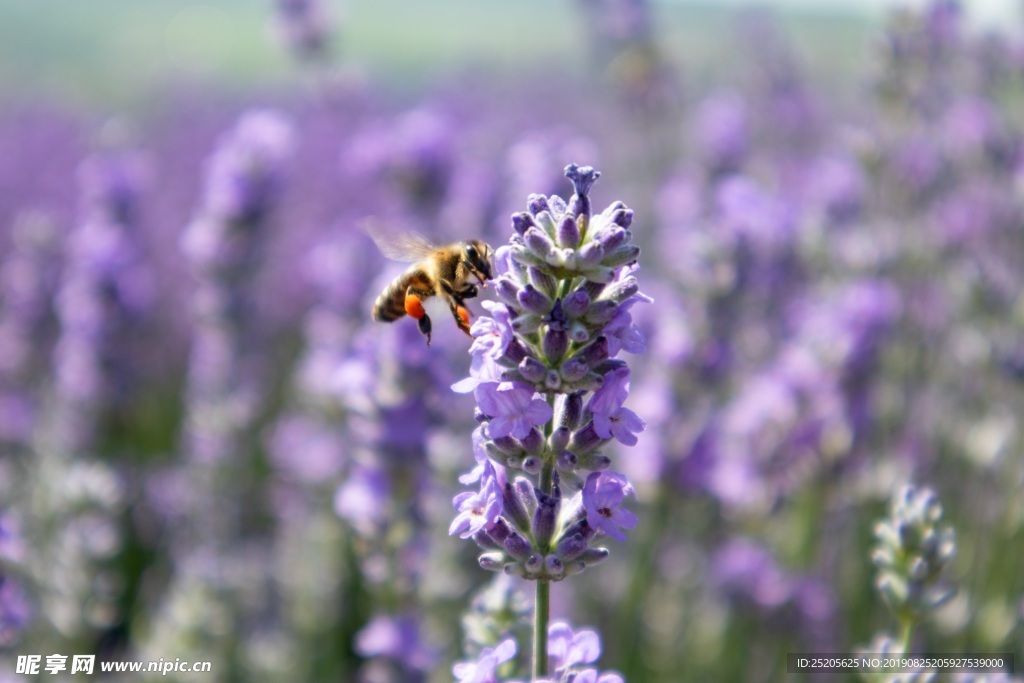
469 291
414 308
461 314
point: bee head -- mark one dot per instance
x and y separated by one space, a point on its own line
477 255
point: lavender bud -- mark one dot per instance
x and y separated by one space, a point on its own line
533 565
539 244
601 312
536 203
584 439
556 205
527 496
534 300
573 370
593 289
493 561
546 221
594 556
570 410
579 527
622 256
517 546
533 442
613 238
516 570
486 540
532 369
568 232
579 333
543 282
553 568
590 254
515 353
567 461
606 366
622 290
620 215
593 353
554 344
522 221
576 304
575 567
552 380
507 291
480 416
495 454
527 324
583 178
514 508
508 445
559 439
524 257
532 465
545 518
571 547
594 462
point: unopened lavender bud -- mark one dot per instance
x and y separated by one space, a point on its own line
522 221
543 282
486 540
594 462
527 324
480 416
601 312
583 178
594 288
559 439
515 569
554 345
517 546
556 205
608 365
579 333
553 567
507 291
622 256
514 509
575 567
534 565
576 304
571 547
515 352
507 445
594 556
514 462
511 375
533 443
620 215
532 465
567 461
536 203
570 410
579 527
521 255
538 243
500 530
533 300
622 290
568 232
557 318
527 495
492 561
590 254
594 352
612 239
553 380
546 221
532 369
545 519
584 439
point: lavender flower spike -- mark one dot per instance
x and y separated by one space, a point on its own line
566 280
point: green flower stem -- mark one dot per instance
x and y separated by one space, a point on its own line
541 614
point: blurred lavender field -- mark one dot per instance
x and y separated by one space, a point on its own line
210 452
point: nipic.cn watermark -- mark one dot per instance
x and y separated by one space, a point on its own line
32 665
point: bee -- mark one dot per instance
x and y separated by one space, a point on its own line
438 271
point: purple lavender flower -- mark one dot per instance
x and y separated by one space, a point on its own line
611 419
15 611
398 638
485 668
477 510
602 497
512 407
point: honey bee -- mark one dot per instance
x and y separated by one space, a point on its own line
438 271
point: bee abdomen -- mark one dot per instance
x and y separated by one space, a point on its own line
390 305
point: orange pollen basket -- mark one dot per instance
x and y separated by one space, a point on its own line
413 306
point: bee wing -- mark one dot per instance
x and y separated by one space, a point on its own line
398 245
